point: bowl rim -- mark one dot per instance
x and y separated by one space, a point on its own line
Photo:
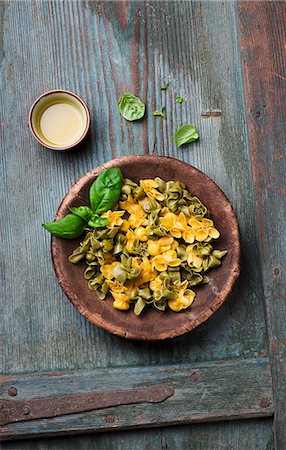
64 147
95 317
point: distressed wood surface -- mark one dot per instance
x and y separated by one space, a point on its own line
226 60
266 105
100 50
254 434
202 392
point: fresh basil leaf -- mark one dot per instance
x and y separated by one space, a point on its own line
97 222
69 227
185 135
179 99
159 112
82 211
131 107
165 86
105 190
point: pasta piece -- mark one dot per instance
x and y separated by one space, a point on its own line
153 249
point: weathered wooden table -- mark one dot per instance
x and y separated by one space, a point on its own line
227 60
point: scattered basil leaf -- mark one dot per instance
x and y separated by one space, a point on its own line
131 107
105 191
69 227
165 86
159 112
82 211
97 222
185 135
179 99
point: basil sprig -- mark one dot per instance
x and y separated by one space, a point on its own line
185 135
82 211
93 220
160 112
97 222
104 193
105 190
165 86
69 227
179 99
131 107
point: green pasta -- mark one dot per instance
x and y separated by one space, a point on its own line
157 244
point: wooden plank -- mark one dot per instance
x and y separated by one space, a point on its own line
263 36
237 434
220 390
99 50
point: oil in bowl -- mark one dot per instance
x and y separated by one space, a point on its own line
61 124
59 120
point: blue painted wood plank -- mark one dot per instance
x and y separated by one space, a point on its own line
263 35
221 390
239 435
99 51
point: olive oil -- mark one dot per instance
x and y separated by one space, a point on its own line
62 124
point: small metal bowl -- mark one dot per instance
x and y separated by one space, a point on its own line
51 98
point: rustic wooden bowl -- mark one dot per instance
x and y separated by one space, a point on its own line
153 324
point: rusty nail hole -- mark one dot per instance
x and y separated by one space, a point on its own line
275 345
26 410
275 271
109 419
265 402
257 114
194 376
12 391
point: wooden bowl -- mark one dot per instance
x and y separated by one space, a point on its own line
152 324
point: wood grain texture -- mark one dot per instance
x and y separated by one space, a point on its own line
215 391
263 37
233 435
99 50
87 49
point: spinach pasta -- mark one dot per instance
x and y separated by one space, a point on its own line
154 246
